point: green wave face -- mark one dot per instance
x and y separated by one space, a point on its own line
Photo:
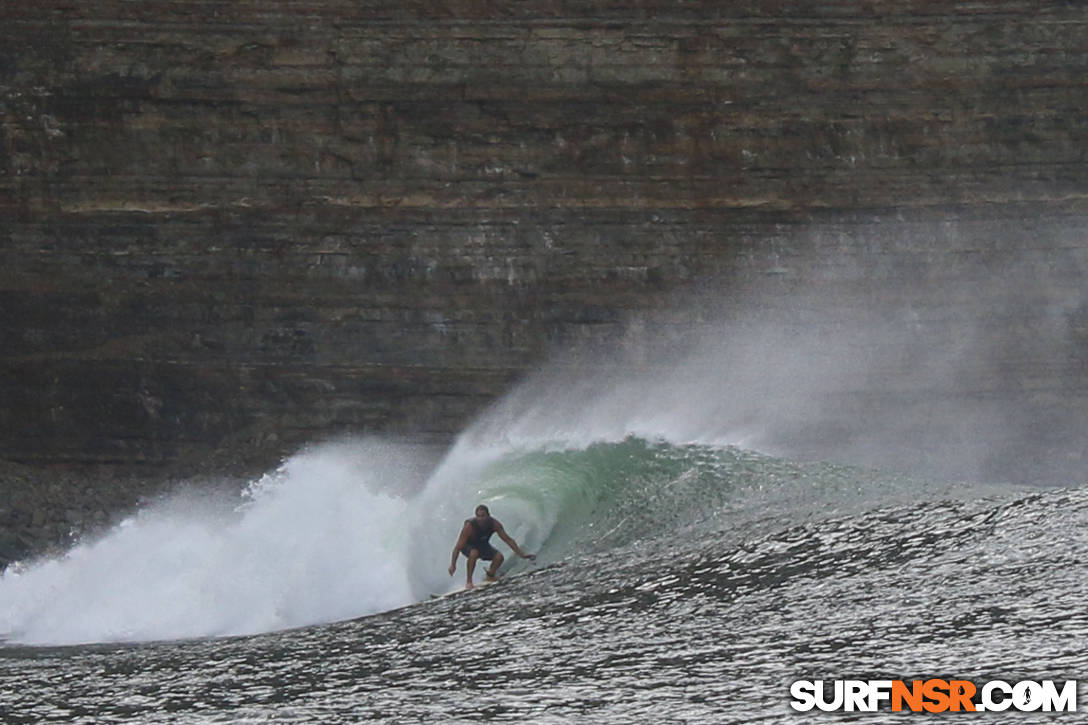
617 494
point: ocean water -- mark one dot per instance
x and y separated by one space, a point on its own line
675 583
713 521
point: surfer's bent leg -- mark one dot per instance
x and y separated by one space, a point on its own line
473 555
496 562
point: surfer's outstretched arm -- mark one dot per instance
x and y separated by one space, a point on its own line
511 543
462 540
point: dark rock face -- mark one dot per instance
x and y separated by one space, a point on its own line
241 226
43 510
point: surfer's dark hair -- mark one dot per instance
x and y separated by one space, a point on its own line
481 506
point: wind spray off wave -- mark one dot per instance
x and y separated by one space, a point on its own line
569 462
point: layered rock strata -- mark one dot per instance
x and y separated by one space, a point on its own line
242 226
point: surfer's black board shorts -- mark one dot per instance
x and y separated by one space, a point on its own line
487 551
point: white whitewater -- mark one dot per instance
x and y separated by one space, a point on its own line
325 537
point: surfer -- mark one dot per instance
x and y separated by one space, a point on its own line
473 543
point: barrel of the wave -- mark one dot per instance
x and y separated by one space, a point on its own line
523 496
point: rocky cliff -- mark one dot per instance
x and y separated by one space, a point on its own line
239 226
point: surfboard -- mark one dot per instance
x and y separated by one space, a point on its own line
517 575
478 585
